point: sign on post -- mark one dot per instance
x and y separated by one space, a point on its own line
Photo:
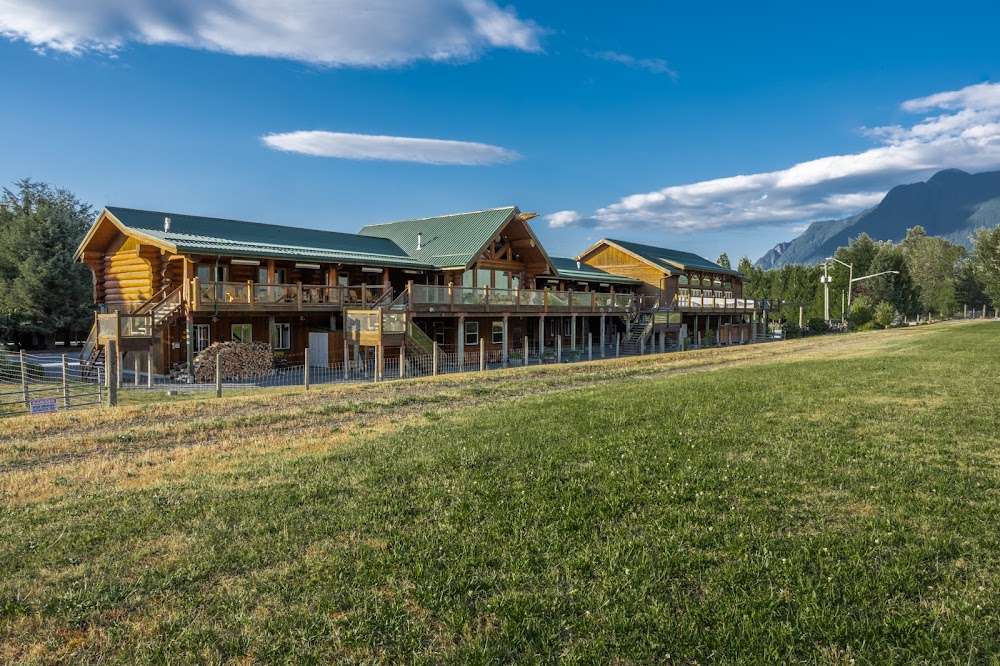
43 406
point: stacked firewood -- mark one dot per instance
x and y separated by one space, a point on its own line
239 360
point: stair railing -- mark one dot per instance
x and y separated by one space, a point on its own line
419 338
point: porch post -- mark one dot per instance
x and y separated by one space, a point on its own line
541 338
572 331
525 351
603 332
149 366
590 346
461 343
402 361
504 353
347 359
482 353
436 359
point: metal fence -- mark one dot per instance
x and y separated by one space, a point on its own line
41 383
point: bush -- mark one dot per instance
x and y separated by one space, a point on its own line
867 326
791 330
861 312
884 315
817 325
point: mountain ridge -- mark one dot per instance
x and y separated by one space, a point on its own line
951 204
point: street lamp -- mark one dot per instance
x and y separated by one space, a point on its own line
850 284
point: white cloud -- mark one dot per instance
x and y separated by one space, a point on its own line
325 32
962 131
654 65
392 148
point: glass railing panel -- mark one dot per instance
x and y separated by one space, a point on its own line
623 300
503 297
532 297
558 299
580 299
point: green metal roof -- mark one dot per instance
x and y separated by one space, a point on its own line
567 268
446 241
671 260
208 235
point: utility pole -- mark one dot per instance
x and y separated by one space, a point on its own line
826 279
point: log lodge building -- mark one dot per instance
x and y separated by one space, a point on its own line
169 285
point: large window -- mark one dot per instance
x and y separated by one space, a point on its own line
472 332
682 279
498 332
206 272
242 332
202 337
281 336
695 281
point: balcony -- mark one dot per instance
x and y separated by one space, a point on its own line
432 299
253 296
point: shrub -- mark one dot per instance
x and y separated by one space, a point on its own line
817 325
792 330
861 312
884 315
867 326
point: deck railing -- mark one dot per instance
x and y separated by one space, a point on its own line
436 298
118 325
715 303
298 296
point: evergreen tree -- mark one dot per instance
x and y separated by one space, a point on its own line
43 292
723 260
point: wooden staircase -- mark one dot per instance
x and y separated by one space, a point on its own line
163 308
639 329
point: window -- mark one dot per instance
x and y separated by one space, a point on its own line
729 294
683 291
261 276
682 279
718 294
472 332
566 325
242 332
202 337
205 272
279 276
498 332
717 284
343 279
439 332
695 281
728 285
281 336
696 293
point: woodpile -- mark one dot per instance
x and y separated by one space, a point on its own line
239 360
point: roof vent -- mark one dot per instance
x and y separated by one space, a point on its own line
577 264
166 224
420 241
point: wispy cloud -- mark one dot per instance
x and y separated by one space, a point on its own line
654 65
390 148
962 131
372 33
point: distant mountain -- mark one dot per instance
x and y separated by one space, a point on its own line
773 255
952 204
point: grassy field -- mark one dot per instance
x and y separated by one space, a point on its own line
832 501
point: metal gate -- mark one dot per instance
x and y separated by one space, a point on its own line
41 383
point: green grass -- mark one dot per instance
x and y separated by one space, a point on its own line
835 505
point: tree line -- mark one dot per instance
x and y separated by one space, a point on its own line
923 275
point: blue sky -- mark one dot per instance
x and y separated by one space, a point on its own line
710 128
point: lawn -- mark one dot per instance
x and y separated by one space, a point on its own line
830 500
